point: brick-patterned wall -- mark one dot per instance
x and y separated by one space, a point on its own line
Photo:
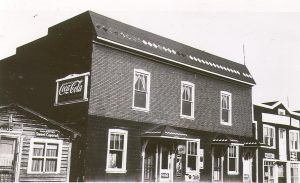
112 85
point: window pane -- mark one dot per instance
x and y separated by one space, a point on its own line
6 146
121 142
37 165
225 115
38 149
140 99
52 150
192 162
115 159
112 141
51 165
232 164
186 108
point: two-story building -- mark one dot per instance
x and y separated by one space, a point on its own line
277 127
148 108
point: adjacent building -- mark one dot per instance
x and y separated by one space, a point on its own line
148 108
277 127
33 148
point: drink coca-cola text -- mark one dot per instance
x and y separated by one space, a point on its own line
71 87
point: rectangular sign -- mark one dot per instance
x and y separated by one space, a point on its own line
72 89
47 133
164 175
293 156
270 155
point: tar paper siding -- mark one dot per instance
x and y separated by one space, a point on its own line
26 134
112 85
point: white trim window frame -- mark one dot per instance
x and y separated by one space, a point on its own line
233 159
294 140
44 156
141 90
269 136
226 108
187 99
192 156
116 158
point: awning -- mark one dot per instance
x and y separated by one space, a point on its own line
223 139
251 142
166 132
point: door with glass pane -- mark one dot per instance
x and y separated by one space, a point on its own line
217 165
7 159
150 160
165 164
247 169
282 144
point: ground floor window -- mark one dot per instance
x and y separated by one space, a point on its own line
295 173
192 155
233 159
269 171
44 155
116 151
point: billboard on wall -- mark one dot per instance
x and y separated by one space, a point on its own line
72 89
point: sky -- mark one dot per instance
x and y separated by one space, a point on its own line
268 29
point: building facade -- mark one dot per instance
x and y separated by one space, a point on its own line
148 108
33 148
277 127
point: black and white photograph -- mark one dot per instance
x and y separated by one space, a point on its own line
150 91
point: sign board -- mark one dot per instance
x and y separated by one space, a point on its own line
293 156
72 89
181 149
164 175
201 158
46 133
11 127
270 155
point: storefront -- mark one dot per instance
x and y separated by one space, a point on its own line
170 155
33 147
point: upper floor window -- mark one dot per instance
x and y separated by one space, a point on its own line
294 140
192 155
141 90
44 156
225 108
233 160
116 151
187 99
269 135
281 111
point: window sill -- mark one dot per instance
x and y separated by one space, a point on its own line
41 173
115 171
295 150
187 117
226 123
268 147
140 109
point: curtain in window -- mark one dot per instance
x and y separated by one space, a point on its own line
115 157
294 173
187 100
37 165
225 108
140 86
192 156
51 165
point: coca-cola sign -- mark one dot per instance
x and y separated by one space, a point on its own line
71 89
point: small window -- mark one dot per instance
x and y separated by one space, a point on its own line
44 156
187 100
269 135
141 90
281 112
192 156
294 140
116 151
225 108
233 160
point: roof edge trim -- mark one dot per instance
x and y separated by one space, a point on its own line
275 105
174 61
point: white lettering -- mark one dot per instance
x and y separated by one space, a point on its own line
71 87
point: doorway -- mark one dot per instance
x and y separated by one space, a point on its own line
7 159
282 144
217 164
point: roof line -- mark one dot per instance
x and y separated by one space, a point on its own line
277 104
171 60
42 117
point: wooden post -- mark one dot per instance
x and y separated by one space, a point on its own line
143 158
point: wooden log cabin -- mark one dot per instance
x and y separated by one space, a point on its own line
33 148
